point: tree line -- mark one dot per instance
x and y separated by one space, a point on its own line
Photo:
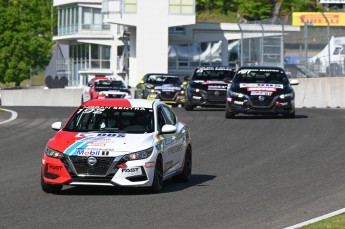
250 10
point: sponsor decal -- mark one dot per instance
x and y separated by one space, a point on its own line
174 149
201 69
96 144
261 85
130 170
150 164
91 153
54 167
217 87
167 88
244 71
261 89
135 171
100 110
267 93
100 135
214 82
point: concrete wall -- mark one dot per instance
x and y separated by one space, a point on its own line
42 97
310 93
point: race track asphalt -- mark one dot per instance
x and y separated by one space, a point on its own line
251 172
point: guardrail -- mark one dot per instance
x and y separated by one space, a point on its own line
327 92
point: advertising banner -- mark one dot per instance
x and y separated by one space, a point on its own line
317 19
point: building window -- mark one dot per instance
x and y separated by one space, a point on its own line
181 7
130 6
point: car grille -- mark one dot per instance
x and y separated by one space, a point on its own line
83 168
257 103
211 96
168 95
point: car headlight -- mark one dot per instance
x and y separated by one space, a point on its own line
195 89
236 94
53 153
181 92
138 155
286 96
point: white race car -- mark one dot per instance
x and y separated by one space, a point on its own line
105 87
118 142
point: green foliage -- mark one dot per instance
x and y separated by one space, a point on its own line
253 9
250 10
25 38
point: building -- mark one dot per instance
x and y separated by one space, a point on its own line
130 38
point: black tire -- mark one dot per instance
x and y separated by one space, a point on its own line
157 183
50 188
186 173
228 113
291 115
188 106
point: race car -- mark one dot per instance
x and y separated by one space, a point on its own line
207 87
118 142
261 90
165 87
105 87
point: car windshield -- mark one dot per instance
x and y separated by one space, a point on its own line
112 119
105 85
273 76
213 74
162 79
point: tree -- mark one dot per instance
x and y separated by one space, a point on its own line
25 38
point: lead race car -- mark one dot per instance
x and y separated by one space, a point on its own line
118 142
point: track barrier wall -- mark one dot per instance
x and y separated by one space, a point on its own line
325 92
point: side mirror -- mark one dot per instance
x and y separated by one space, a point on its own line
294 82
56 126
129 87
168 129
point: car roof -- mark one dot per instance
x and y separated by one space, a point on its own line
144 103
261 67
221 67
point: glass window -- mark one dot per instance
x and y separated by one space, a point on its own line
170 116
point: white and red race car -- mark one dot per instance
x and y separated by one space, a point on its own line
118 142
105 87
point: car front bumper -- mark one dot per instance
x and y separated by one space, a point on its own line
109 171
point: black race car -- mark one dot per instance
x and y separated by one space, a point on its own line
207 87
261 90
168 88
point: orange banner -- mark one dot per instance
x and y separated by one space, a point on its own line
317 19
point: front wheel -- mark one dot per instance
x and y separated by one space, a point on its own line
157 183
290 115
188 106
228 113
50 188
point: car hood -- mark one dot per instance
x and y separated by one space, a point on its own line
168 87
100 144
257 88
209 84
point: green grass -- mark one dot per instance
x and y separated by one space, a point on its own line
335 222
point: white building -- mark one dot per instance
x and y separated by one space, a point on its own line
130 38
